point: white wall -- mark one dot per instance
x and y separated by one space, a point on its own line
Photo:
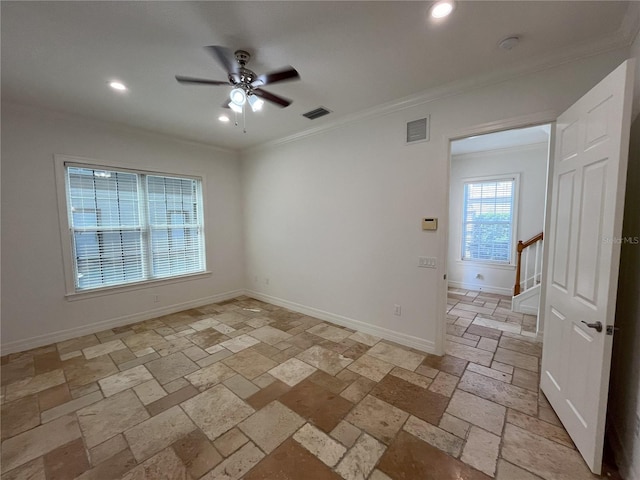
34 308
530 162
333 219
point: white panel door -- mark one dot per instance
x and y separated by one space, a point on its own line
587 200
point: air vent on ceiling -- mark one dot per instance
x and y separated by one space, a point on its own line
418 130
317 113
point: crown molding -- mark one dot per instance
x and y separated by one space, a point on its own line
620 38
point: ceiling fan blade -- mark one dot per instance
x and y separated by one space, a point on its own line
199 81
288 73
283 102
225 58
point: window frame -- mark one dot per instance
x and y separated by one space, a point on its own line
66 240
515 177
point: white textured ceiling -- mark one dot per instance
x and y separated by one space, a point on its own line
351 55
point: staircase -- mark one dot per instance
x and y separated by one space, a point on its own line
526 292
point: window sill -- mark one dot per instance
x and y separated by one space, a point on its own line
479 263
74 296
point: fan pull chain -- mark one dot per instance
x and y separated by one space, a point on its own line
244 120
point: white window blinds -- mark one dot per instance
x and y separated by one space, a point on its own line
488 220
131 226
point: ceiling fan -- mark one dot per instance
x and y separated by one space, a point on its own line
247 85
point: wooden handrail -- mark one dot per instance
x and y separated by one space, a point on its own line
521 246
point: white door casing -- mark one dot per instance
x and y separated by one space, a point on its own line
587 201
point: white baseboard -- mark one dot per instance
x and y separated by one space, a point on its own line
427 346
481 288
61 335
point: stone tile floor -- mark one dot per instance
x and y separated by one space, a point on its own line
244 389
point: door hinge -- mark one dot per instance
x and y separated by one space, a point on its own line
445 276
611 329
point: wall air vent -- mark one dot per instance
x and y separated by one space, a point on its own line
316 113
418 130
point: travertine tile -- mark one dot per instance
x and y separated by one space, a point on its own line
489 372
477 411
241 386
216 410
175 398
271 426
496 324
249 364
329 332
371 367
397 356
230 442
237 465
175 385
110 416
31 385
140 341
471 354
209 376
138 361
149 437
445 363
270 335
544 429
107 449
164 466
320 444
326 360
265 396
103 349
70 407
369 340
331 383
521 346
444 384
82 372
54 396
500 392
149 392
291 461
197 453
454 425
240 343
433 435
292 372
508 471
76 344
502 367
481 450
377 418
171 367
67 461
18 370
412 399
204 324
378 475
526 379
195 353
116 466
346 433
488 344
517 359
33 470
541 456
410 458
124 380
38 441
358 463
20 416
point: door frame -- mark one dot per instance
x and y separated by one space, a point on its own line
522 121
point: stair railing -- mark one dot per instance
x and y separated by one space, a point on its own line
537 269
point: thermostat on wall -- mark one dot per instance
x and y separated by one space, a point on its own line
429 224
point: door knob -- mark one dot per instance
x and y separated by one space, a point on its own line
597 326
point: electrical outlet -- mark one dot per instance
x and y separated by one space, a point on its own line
266 281
156 298
397 310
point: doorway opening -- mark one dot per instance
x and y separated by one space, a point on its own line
497 200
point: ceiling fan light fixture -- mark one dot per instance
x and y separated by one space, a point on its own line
442 9
235 108
238 96
223 118
256 103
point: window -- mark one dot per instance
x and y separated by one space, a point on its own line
129 226
488 220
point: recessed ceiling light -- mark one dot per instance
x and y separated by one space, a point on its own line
442 9
121 87
223 118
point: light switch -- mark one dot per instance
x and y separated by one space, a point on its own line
429 224
427 262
